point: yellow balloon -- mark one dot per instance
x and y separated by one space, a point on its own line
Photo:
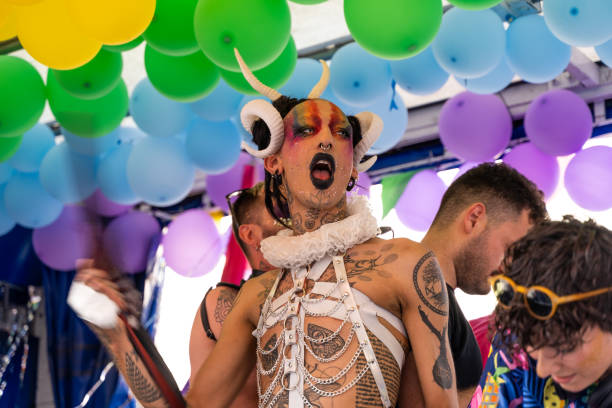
8 21
112 21
49 35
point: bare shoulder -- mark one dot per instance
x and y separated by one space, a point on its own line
219 302
254 291
407 253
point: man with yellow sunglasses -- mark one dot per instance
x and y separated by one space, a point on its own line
554 320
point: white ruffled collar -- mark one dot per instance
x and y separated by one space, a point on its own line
286 250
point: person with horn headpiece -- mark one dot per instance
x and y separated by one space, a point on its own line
332 325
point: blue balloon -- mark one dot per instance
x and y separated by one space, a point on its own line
304 77
92 146
469 43
28 203
218 105
130 134
68 176
155 114
581 23
112 175
358 77
604 51
395 118
6 172
35 144
421 74
159 170
533 52
213 146
492 82
6 222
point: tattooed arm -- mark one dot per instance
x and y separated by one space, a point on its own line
425 316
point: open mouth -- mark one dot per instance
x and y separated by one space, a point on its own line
322 168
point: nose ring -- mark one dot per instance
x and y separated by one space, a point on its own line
325 147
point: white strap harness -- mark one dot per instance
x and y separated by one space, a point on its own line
335 300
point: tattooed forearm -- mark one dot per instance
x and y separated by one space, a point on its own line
144 390
225 301
441 370
327 349
429 284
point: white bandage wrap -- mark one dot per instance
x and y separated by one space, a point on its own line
91 306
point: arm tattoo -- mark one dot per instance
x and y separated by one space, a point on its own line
441 369
327 349
225 301
429 284
143 390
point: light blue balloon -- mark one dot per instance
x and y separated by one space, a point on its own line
6 222
68 176
492 82
6 172
604 51
159 170
581 23
213 146
130 134
35 144
421 74
469 43
395 119
92 146
304 77
155 114
28 203
112 175
533 52
218 105
358 77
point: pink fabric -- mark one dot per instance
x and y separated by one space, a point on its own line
480 327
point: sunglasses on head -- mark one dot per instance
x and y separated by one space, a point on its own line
540 302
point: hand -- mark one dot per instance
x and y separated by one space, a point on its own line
602 396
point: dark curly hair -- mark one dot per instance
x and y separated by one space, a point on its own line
276 203
503 190
566 257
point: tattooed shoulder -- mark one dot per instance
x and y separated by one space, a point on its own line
225 301
429 284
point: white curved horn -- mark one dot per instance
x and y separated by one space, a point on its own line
263 89
260 109
371 128
319 88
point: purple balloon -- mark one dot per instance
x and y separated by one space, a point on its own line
541 168
98 203
558 122
192 245
419 203
475 127
587 178
362 187
74 235
127 240
219 185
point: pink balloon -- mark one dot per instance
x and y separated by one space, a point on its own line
192 245
558 122
74 235
127 240
587 178
98 203
475 127
219 185
363 184
541 168
418 205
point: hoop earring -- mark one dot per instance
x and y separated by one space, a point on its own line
351 184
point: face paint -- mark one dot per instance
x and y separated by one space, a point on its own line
306 122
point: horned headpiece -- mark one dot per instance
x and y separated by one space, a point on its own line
371 124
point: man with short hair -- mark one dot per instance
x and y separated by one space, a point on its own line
481 214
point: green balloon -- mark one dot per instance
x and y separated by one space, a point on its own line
88 117
124 47
259 29
22 96
184 79
393 29
8 147
475 4
171 30
274 75
94 79
308 1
